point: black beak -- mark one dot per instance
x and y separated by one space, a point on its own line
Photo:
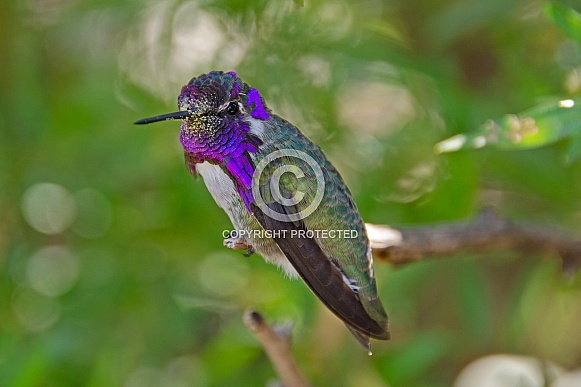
165 117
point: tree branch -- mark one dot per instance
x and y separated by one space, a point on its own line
276 343
487 232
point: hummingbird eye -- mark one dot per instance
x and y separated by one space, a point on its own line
232 108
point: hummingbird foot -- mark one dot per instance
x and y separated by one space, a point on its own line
238 243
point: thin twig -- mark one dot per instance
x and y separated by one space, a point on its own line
487 232
276 343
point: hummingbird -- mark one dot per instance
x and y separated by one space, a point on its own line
284 198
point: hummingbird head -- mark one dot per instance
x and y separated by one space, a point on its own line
216 110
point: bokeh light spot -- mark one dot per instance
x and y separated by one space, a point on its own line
52 271
48 208
34 311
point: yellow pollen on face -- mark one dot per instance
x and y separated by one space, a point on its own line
203 123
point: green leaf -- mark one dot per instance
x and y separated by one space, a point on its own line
567 19
539 126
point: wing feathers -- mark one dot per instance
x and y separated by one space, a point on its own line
322 276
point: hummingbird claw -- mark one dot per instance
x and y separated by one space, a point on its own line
238 243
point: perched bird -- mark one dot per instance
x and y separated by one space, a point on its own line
286 201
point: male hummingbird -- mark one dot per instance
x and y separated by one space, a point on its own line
286 201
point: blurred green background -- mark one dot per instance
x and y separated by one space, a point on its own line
112 270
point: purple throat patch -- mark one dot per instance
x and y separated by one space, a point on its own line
258 111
